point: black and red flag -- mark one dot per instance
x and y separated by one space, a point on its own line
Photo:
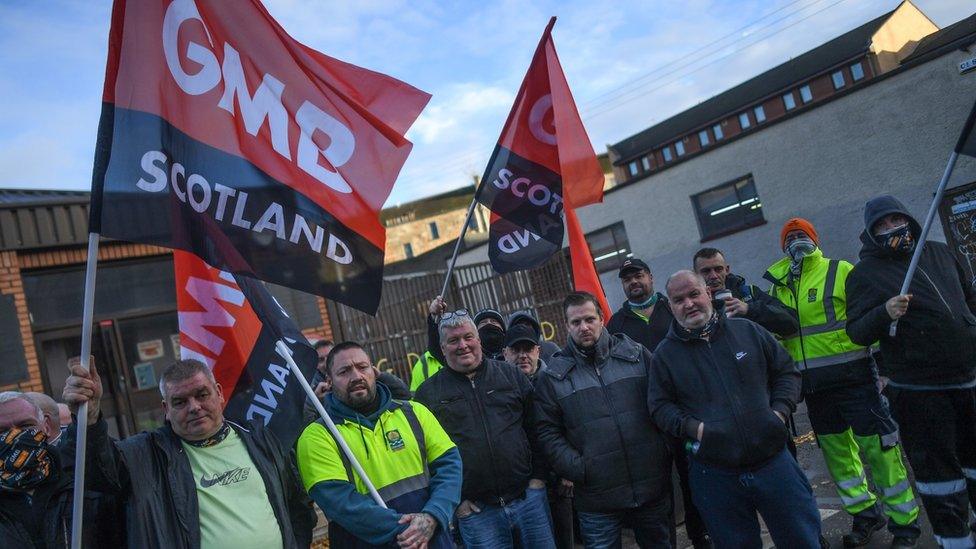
231 324
543 166
223 136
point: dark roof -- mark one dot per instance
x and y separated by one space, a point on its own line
430 206
819 59
31 219
959 34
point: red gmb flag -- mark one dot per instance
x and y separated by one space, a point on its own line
223 136
231 324
542 164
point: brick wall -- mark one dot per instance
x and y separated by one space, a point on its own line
12 284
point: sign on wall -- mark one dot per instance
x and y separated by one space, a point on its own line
958 213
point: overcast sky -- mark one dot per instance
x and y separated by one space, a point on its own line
629 63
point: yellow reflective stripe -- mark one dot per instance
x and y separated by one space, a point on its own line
403 486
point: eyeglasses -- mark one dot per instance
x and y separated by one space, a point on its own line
456 314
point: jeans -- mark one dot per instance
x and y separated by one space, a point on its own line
497 526
651 523
779 491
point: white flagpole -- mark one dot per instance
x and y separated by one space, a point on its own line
330 425
87 319
457 245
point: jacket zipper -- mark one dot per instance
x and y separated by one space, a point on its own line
936 288
728 394
620 435
491 450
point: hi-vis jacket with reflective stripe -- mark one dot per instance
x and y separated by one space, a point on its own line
408 457
817 295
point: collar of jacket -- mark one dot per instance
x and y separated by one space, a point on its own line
734 283
674 333
340 412
615 346
778 272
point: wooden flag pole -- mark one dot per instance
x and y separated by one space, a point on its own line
81 421
329 424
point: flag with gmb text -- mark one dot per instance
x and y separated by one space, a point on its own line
223 136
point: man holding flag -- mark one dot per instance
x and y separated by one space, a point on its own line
930 361
200 480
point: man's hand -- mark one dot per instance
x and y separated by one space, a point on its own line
83 386
438 306
323 387
898 306
701 430
537 484
780 415
466 508
565 488
736 307
421 529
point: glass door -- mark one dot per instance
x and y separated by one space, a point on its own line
148 344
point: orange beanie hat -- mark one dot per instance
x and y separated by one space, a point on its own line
798 224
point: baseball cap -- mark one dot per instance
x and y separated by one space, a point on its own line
632 263
520 332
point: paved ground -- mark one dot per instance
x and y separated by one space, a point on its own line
836 522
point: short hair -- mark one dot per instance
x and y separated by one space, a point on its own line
453 322
343 346
698 278
182 370
8 396
323 343
706 253
47 405
575 299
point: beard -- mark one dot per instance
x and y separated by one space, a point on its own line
638 292
358 402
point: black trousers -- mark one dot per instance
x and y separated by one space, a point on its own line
694 525
938 432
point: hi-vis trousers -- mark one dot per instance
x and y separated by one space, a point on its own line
852 420
938 428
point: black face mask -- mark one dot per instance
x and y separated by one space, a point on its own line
899 239
492 338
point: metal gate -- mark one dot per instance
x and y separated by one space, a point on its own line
396 336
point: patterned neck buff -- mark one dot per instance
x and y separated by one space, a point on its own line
25 458
899 239
214 440
649 302
703 332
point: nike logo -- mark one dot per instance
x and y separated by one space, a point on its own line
740 354
228 477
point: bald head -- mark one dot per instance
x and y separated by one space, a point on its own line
50 412
690 302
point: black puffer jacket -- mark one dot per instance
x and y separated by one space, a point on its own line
731 383
595 429
151 473
935 342
489 418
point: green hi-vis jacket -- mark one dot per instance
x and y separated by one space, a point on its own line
425 367
818 297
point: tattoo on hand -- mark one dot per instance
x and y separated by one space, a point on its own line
425 525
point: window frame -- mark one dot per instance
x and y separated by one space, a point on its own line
408 250
435 232
666 153
843 79
803 97
646 163
703 139
791 104
632 168
860 69
679 148
717 132
758 111
743 225
747 124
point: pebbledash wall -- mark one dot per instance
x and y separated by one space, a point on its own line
892 136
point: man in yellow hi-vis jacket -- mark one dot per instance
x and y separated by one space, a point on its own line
407 455
847 411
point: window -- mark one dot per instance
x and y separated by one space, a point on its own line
473 222
717 130
679 147
728 208
609 247
703 137
666 152
760 114
633 168
434 233
838 78
788 101
857 71
805 94
744 120
408 250
646 162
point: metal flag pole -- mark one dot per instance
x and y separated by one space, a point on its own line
81 422
961 144
457 245
329 424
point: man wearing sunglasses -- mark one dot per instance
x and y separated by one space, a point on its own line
485 406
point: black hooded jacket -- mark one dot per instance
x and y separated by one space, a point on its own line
764 309
648 332
732 383
935 340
